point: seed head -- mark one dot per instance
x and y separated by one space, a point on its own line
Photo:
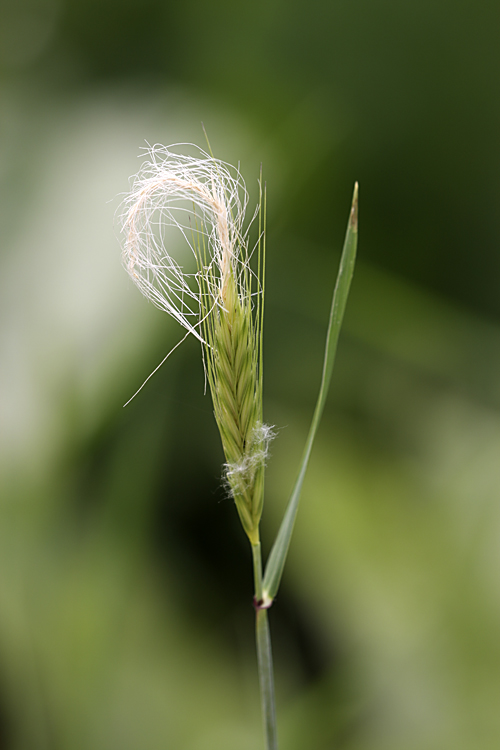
221 303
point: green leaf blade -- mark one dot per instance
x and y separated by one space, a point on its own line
279 551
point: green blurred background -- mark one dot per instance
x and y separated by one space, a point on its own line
125 580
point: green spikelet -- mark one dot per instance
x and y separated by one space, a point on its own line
232 328
236 404
232 355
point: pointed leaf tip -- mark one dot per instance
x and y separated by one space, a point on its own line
353 221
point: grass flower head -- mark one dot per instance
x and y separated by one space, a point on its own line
220 302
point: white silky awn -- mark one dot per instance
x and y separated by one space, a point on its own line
198 196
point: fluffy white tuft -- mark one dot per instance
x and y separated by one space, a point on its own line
241 475
205 199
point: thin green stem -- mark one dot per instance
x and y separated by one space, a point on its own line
266 678
264 656
257 571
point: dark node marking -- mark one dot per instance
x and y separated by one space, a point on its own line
259 604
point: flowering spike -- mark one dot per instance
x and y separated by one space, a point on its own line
220 303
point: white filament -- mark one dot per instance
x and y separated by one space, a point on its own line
240 475
205 199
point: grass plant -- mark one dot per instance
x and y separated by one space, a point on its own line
221 302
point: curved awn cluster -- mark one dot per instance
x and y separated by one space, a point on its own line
205 199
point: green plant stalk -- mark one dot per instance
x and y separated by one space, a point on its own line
231 306
264 656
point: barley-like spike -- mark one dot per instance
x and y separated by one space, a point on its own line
236 389
221 304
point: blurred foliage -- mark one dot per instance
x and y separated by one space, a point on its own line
125 581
